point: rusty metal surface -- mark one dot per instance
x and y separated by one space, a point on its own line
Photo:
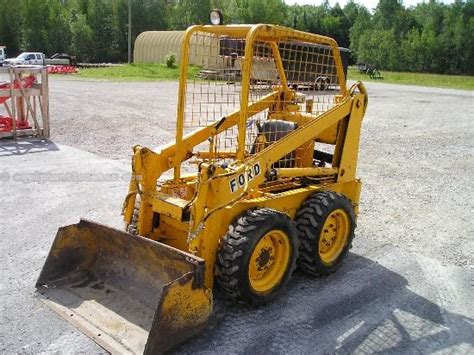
129 294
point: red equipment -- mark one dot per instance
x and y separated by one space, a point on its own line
6 124
62 69
25 84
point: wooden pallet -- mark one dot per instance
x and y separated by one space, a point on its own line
30 103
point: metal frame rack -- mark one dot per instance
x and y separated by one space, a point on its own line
25 103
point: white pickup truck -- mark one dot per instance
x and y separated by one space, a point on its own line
27 58
3 54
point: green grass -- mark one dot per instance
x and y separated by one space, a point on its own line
142 72
137 72
436 80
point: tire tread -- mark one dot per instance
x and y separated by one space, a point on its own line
237 243
309 220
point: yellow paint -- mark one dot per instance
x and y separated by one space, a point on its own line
183 306
290 172
169 205
189 215
195 211
334 236
269 261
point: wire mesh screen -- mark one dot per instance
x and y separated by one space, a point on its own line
216 91
310 68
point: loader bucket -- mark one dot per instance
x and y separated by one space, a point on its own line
128 293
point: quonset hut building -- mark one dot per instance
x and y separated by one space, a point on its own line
213 53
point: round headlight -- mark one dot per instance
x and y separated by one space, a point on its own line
216 17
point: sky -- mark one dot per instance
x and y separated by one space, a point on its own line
369 4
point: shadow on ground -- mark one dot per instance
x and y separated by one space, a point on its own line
365 307
26 146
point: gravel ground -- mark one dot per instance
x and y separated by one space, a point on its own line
416 158
406 287
108 118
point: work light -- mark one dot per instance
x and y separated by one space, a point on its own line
216 17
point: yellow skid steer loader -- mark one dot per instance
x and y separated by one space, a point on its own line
262 179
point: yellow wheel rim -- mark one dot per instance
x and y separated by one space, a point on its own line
269 261
334 235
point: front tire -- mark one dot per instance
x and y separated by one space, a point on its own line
257 256
326 224
132 228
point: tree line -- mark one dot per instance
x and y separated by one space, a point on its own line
430 37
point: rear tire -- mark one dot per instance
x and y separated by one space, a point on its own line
325 223
257 256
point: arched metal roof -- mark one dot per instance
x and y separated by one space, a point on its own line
153 46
